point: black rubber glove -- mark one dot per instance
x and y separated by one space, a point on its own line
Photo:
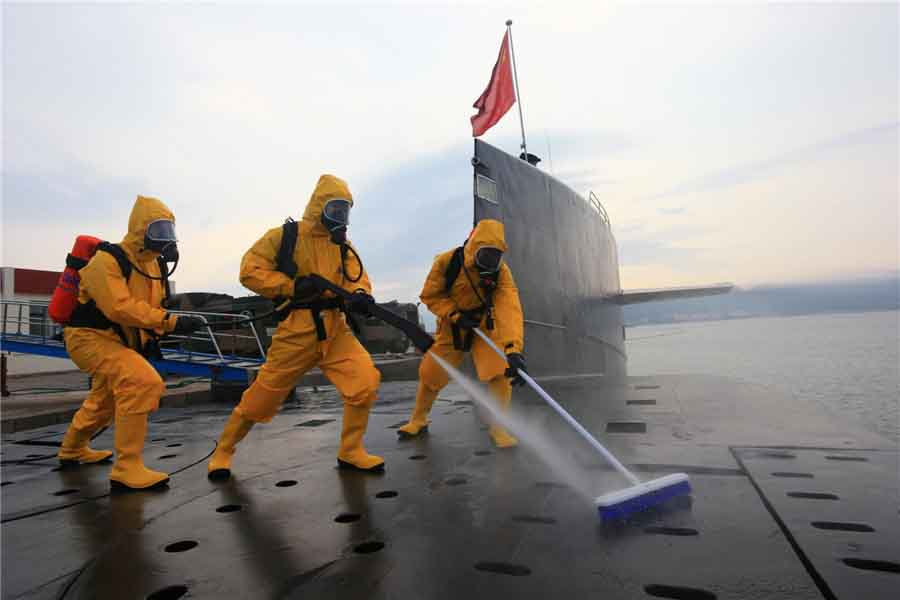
305 289
516 363
465 320
187 324
360 302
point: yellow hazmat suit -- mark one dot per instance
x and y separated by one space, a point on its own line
125 386
295 347
466 294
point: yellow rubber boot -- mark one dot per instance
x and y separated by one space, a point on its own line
501 390
129 472
352 454
76 450
418 421
235 429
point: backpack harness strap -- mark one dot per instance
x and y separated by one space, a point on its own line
463 338
284 263
89 315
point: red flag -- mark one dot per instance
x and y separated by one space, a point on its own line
499 95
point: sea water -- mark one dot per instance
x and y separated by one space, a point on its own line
848 362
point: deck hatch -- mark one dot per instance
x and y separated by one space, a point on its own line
503 568
813 495
676 531
173 592
838 526
678 592
872 565
314 422
626 427
368 547
847 458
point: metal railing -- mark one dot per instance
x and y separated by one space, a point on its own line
217 327
227 339
35 321
598 206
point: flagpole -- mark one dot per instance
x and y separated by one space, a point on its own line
512 53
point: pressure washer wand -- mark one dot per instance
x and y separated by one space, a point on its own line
565 415
619 504
418 336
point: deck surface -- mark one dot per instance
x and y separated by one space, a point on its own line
787 503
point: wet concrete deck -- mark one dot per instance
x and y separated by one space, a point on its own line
42 399
788 503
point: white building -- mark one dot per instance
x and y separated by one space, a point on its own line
25 294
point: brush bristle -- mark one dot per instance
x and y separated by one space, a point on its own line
642 502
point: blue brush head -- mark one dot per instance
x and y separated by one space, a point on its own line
643 502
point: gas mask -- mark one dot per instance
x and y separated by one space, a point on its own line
336 218
488 260
160 237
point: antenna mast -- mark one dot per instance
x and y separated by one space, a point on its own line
512 53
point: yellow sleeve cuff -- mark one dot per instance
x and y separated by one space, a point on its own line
168 323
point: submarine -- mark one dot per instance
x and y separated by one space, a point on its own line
787 502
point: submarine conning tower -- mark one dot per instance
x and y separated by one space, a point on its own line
562 250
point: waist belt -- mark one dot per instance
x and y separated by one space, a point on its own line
89 316
462 337
316 307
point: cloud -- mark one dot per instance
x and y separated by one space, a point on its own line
411 213
568 145
671 246
741 174
652 251
233 118
675 210
422 207
70 191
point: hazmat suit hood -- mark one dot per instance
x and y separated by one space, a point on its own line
145 211
328 188
487 233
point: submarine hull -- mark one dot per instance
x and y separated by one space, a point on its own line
563 255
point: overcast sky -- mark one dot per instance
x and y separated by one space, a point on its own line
754 144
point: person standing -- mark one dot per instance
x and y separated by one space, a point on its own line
115 323
470 287
315 331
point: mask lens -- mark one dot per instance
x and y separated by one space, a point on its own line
161 231
337 212
489 259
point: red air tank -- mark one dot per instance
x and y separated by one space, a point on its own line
65 296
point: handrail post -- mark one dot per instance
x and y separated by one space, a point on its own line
259 344
4 390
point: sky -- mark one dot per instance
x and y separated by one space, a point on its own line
748 143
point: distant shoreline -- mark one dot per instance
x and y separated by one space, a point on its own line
759 316
829 298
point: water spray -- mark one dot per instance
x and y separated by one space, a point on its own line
639 495
534 438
